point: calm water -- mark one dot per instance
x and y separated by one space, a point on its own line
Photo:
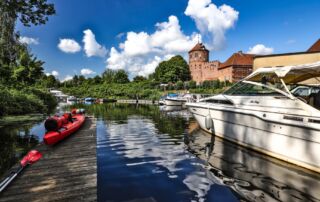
16 140
147 153
151 154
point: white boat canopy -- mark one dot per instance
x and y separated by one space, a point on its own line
289 74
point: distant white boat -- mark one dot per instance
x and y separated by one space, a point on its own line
60 96
179 100
71 100
261 113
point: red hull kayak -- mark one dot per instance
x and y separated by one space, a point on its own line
52 137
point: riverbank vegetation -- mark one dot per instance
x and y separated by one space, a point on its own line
170 76
22 81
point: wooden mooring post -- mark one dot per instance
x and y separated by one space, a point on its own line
66 172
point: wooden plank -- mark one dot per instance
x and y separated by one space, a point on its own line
150 102
66 172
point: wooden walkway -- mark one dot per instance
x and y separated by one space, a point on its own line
66 172
148 102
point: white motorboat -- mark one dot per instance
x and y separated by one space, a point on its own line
71 100
260 112
179 100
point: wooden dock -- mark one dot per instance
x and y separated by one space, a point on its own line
148 102
66 172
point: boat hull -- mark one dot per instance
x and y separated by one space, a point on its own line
292 143
53 137
175 102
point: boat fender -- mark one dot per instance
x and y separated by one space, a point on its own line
54 123
208 122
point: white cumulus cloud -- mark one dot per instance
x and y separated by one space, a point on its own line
67 78
69 46
212 21
86 72
53 73
141 52
91 46
260 49
28 40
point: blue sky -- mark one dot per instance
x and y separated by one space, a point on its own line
136 35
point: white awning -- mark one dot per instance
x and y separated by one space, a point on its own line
289 74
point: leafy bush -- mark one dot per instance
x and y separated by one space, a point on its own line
29 100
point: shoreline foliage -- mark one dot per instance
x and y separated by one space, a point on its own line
22 78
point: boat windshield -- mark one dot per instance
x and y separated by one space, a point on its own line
250 89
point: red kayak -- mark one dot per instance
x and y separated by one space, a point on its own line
58 128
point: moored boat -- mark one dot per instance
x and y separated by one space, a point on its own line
178 100
261 113
71 100
89 100
58 128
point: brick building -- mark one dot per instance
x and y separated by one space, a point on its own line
233 69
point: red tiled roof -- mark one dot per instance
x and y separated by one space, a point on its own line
238 58
198 47
315 47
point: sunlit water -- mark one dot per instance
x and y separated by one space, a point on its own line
151 154
138 162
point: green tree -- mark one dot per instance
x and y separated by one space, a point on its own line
139 79
97 79
121 76
50 81
75 80
179 85
108 76
29 12
192 84
216 84
28 69
172 70
82 79
206 84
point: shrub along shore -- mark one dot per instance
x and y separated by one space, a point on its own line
25 101
145 90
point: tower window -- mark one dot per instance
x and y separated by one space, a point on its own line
196 55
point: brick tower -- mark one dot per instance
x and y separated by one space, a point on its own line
198 57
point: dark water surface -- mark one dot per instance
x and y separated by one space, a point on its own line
16 140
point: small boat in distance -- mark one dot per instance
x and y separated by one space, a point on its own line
89 100
71 100
261 113
178 100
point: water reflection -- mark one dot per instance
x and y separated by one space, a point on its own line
143 157
16 140
254 176
147 153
